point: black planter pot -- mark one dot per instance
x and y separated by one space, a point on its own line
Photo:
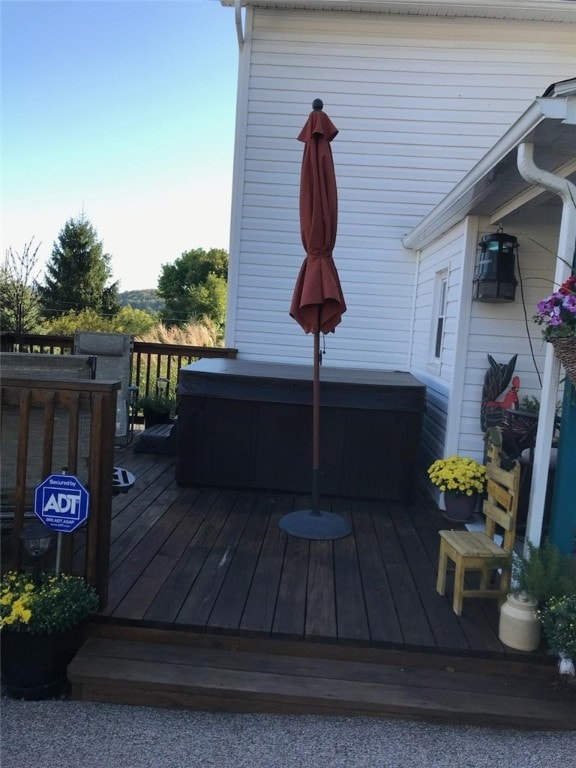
34 666
151 418
459 508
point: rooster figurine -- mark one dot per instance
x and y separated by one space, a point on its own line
510 399
496 379
496 416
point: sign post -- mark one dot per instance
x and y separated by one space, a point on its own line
61 502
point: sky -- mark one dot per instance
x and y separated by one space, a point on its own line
123 111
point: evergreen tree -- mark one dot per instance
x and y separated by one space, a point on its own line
78 272
19 304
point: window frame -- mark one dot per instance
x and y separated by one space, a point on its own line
439 316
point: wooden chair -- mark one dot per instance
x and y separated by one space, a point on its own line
114 354
479 551
519 435
45 366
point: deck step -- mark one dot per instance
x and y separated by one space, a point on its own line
160 438
163 675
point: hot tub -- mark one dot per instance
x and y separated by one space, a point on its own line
244 424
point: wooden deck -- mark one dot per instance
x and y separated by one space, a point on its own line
215 561
213 607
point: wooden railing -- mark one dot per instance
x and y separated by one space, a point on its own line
150 361
49 422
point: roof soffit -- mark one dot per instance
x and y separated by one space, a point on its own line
494 186
525 10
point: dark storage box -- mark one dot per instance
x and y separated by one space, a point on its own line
249 425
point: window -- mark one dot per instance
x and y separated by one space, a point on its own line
440 304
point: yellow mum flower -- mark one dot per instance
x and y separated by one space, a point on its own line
458 473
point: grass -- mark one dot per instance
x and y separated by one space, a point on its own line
192 334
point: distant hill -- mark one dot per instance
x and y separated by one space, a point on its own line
146 300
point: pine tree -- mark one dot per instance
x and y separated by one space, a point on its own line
77 273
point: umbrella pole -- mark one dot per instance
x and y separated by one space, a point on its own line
316 427
312 523
318 219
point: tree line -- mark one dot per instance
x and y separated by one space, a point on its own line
77 291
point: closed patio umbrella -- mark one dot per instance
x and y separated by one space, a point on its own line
318 302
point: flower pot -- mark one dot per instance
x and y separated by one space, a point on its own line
151 418
519 626
459 508
34 666
565 351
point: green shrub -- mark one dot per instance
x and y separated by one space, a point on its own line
558 618
545 572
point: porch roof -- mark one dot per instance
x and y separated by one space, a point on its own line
522 10
494 186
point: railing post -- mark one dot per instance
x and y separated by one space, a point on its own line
100 483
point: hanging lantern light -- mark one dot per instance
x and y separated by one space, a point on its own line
495 279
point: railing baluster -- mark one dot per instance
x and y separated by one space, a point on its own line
48 434
21 471
73 433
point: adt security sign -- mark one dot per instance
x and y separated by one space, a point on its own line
61 502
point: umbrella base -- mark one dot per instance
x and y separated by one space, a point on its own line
320 526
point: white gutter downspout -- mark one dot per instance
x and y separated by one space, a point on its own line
566 241
239 28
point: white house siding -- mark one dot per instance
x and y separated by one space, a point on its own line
417 101
473 329
504 330
444 255
476 329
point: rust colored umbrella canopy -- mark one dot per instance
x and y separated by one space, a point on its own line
318 302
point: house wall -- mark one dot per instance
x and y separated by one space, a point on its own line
443 257
504 330
476 329
417 101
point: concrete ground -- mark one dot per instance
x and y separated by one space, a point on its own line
68 734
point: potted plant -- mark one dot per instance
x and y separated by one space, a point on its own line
544 572
461 479
39 619
158 408
558 619
541 575
557 313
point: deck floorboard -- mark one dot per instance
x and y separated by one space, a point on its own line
215 560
